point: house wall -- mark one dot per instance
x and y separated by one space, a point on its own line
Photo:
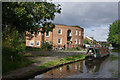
54 36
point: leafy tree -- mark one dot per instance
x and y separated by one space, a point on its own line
28 15
19 17
76 26
85 41
114 34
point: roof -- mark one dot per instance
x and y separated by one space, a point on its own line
68 25
89 38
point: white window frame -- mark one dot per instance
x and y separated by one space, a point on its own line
37 42
31 42
75 32
79 33
58 31
38 33
79 41
76 41
60 41
48 35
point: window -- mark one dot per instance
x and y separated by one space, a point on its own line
32 32
38 43
79 41
59 31
38 33
31 43
75 41
47 42
47 34
79 33
59 41
75 32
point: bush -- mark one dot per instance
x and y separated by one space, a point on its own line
77 48
46 46
12 61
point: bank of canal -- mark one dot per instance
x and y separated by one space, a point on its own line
104 68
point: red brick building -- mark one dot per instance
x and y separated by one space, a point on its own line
61 35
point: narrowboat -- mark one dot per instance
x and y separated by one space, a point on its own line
96 53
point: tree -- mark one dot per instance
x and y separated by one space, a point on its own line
114 34
28 15
85 41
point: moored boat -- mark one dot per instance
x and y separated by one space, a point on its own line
96 53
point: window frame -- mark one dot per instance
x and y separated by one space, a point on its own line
31 42
38 33
48 35
75 32
79 42
60 40
39 43
79 33
76 41
58 31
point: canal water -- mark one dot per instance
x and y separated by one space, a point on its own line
103 68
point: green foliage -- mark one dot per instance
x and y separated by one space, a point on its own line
14 40
76 26
46 46
94 42
28 15
11 60
62 60
114 33
85 41
77 48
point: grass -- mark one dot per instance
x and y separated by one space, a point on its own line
11 60
62 60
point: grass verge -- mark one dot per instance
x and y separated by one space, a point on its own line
62 61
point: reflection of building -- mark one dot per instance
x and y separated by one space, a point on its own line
60 36
65 70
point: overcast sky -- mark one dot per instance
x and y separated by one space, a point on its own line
94 17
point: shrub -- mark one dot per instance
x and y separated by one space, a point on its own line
46 46
77 48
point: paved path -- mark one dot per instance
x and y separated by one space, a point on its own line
51 55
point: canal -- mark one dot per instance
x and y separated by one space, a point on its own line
103 68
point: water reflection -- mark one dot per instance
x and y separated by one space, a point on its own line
94 66
103 68
65 70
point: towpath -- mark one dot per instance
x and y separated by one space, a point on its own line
40 58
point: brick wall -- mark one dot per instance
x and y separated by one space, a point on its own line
54 36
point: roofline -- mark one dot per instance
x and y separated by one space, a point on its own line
69 26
